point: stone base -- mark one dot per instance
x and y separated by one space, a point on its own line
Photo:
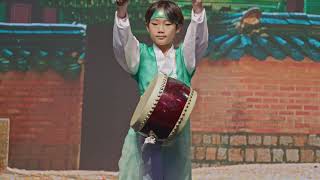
32 156
210 149
4 143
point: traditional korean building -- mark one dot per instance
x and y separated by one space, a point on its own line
258 87
41 90
259 90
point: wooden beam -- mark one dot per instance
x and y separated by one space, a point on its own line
4 143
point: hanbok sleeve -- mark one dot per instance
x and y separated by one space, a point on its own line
125 45
196 40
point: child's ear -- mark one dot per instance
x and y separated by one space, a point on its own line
147 27
178 28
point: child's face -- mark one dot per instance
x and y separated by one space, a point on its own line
162 31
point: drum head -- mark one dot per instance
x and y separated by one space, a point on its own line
148 101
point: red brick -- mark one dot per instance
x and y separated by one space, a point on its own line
295 95
287 88
226 93
287 101
270 100
279 94
262 106
216 119
38 114
311 95
314 108
255 100
316 89
302 113
254 87
303 101
263 93
286 112
303 88
278 106
297 107
270 87
243 93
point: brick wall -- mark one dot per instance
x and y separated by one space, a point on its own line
235 148
269 98
4 143
45 115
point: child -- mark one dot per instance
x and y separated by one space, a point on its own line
163 20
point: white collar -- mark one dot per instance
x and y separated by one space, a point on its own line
159 53
166 64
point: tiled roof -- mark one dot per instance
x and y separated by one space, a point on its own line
40 28
296 35
42 46
41 36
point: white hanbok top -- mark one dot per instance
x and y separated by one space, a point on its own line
126 46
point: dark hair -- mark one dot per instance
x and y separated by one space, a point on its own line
171 10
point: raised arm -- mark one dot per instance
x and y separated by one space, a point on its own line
125 45
196 39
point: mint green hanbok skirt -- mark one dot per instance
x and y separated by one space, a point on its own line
156 162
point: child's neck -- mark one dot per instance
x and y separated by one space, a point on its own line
164 48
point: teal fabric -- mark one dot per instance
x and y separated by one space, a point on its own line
159 13
175 157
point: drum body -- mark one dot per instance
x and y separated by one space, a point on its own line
164 108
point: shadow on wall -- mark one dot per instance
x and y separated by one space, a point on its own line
110 96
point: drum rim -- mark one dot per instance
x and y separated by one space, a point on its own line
183 119
158 84
185 114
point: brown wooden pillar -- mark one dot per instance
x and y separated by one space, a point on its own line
4 143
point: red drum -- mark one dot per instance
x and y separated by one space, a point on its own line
164 108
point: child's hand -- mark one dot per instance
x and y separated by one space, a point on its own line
122 8
197 6
122 2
